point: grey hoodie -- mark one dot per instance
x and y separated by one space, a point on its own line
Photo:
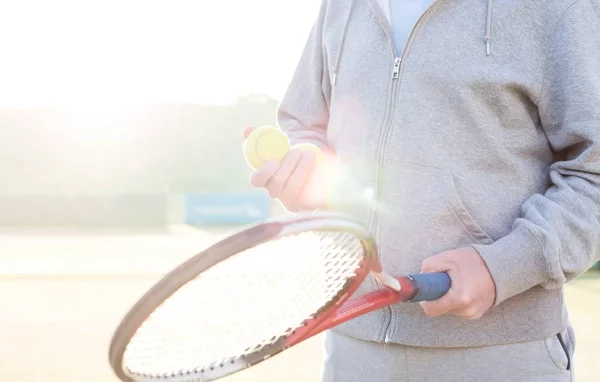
484 133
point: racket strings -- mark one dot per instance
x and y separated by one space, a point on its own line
243 304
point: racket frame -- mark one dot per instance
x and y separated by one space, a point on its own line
245 239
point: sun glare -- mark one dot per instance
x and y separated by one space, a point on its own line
70 52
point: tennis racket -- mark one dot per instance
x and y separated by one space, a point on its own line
254 294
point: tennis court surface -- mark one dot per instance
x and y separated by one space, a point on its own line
64 293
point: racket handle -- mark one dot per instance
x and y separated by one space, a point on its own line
429 286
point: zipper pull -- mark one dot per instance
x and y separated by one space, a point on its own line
396 71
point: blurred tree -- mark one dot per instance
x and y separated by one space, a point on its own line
134 150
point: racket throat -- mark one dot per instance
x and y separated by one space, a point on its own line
387 280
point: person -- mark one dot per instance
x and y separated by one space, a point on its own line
470 135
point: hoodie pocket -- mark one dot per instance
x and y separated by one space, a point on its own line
421 215
560 350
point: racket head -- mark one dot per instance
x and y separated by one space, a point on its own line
135 334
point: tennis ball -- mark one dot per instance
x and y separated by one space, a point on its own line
311 147
264 144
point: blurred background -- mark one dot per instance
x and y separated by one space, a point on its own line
120 140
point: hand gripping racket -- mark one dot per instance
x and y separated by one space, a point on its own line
255 294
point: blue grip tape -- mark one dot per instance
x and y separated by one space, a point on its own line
429 286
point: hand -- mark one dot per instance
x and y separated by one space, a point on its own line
473 290
287 181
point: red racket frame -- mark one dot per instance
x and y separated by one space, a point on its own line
341 308
346 308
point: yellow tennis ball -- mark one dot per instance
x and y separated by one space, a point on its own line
264 144
311 147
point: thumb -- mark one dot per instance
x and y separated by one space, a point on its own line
436 263
445 304
248 130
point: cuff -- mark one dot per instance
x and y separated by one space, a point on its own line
516 263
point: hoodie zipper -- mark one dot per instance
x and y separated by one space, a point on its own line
382 142
396 71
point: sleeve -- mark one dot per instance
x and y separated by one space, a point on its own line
557 236
303 113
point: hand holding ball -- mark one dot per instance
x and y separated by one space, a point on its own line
290 177
320 157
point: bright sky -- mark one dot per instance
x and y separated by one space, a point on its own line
125 51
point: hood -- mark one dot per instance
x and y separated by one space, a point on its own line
385 8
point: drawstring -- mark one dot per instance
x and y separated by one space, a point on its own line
339 55
488 27
487 38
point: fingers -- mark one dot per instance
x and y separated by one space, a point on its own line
286 180
472 291
299 178
278 181
264 173
292 176
448 302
